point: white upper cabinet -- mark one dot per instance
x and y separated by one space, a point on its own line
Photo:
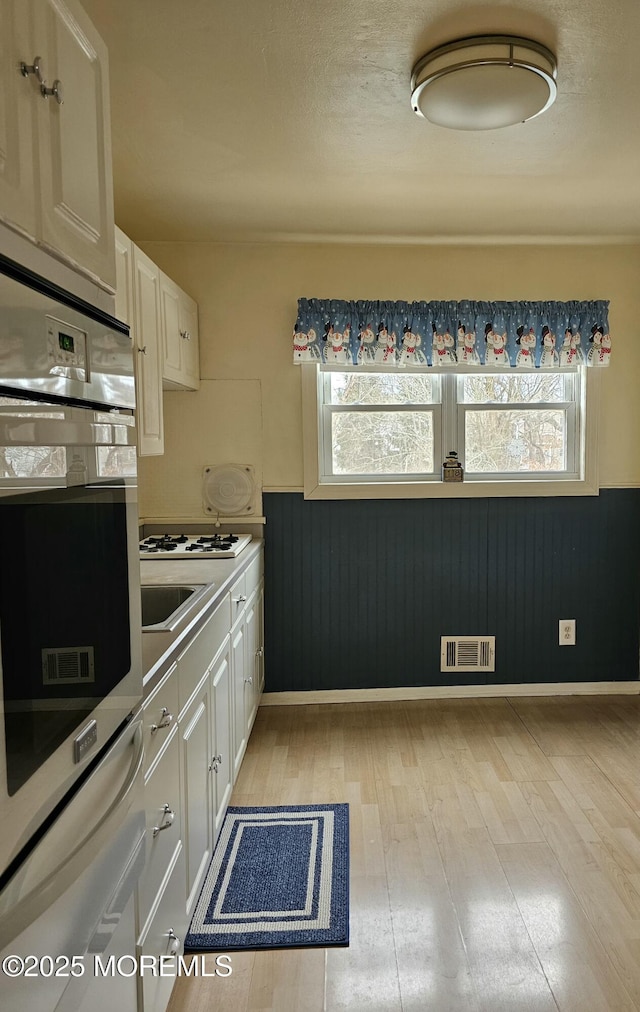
138 304
164 330
17 113
56 176
181 365
124 278
147 353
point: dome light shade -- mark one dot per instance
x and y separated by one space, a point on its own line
484 82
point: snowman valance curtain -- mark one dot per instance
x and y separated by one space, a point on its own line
527 335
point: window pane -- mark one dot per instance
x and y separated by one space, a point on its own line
382 442
521 388
511 441
382 388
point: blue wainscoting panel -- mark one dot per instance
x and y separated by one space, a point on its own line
358 593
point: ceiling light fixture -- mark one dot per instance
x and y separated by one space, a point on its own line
484 82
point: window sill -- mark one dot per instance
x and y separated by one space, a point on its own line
448 490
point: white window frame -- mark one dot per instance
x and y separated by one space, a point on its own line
583 480
327 410
573 409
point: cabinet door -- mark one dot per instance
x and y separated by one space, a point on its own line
146 328
163 936
196 791
238 665
124 278
222 759
74 146
181 366
189 341
170 311
253 659
164 823
18 202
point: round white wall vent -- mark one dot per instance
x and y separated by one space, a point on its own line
228 490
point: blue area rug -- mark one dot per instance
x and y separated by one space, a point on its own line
279 878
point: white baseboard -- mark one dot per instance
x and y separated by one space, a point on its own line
450 692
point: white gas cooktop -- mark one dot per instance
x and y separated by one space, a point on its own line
203 546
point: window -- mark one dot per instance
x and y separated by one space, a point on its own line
524 425
385 434
380 424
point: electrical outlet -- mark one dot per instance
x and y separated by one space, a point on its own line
567 632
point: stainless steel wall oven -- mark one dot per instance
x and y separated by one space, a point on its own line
70 668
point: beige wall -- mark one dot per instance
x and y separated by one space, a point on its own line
249 411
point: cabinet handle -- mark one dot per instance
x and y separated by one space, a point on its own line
143 350
165 720
240 600
166 814
55 90
248 681
34 68
185 335
216 761
174 941
260 652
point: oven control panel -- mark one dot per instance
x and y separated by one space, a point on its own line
67 350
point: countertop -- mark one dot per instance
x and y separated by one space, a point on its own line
161 649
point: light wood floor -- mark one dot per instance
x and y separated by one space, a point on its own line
495 856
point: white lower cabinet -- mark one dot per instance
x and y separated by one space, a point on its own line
196 724
238 656
254 679
196 754
206 762
163 935
221 766
162 916
247 653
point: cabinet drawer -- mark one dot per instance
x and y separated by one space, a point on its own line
161 789
193 663
238 597
164 936
159 714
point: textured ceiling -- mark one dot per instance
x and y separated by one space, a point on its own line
290 119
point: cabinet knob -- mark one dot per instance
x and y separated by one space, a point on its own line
33 68
216 761
166 719
240 600
248 681
55 91
185 335
174 941
143 350
166 820
260 652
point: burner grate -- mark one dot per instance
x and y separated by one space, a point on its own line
182 546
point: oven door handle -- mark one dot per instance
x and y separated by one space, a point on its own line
44 894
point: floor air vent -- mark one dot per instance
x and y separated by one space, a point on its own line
468 653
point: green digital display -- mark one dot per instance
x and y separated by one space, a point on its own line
66 342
